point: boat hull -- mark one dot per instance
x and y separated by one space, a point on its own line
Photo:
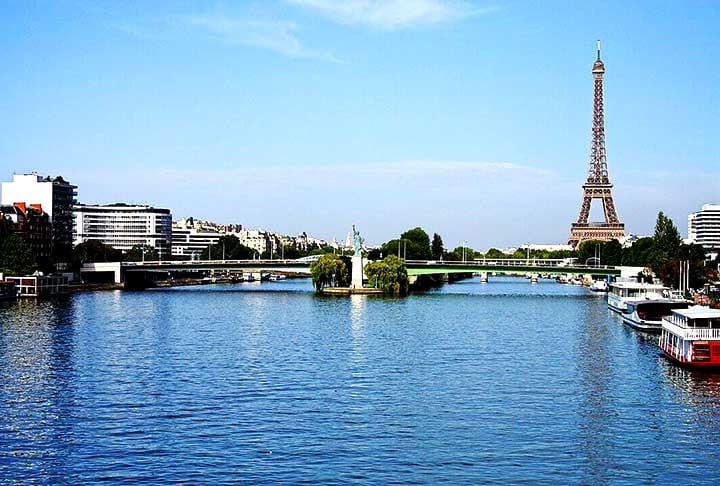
616 304
634 321
712 362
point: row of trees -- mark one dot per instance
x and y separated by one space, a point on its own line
94 251
662 253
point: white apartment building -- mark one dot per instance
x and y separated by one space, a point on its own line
259 240
123 226
704 227
190 238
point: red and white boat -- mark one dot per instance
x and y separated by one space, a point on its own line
692 336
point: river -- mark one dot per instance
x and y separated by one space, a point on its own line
267 383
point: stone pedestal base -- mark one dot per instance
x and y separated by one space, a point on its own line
356 280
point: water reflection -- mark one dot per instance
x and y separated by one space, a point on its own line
595 405
699 388
36 386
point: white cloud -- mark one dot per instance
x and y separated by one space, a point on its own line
277 36
392 14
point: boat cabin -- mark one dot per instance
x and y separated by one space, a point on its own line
692 336
696 317
654 310
628 290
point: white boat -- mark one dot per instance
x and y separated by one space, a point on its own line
622 292
599 286
647 315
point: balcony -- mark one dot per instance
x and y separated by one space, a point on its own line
691 333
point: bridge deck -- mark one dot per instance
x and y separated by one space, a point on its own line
414 267
506 266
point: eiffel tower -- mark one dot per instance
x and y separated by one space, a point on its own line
597 185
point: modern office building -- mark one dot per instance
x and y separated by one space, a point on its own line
190 238
704 227
123 226
56 197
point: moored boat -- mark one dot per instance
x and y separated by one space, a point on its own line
599 286
692 336
647 315
622 292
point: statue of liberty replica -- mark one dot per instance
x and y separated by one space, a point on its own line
356 282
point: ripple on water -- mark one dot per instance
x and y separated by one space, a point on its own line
468 383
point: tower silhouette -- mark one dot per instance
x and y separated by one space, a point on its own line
597 185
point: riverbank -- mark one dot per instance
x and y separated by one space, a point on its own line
351 291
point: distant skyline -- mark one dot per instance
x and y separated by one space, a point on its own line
471 119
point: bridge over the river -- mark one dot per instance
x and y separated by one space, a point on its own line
120 270
518 266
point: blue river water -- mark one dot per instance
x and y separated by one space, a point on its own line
268 383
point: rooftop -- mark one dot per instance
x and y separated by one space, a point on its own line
698 312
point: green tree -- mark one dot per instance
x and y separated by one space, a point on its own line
94 251
695 254
388 274
16 257
664 257
666 241
639 254
494 253
606 252
457 254
139 253
611 253
418 244
230 247
328 270
437 247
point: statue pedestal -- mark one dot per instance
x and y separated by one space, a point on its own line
356 280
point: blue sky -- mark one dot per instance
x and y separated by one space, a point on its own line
468 118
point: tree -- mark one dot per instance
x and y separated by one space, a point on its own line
666 241
639 254
695 254
143 252
606 252
229 248
328 270
457 254
665 254
16 256
418 244
494 253
389 274
611 253
94 251
436 247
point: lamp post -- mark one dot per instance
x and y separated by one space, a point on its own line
527 259
463 250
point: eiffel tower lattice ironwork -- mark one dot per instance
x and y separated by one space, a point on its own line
597 185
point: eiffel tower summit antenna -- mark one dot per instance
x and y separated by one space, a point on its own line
597 185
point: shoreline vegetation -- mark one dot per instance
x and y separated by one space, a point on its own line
660 254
